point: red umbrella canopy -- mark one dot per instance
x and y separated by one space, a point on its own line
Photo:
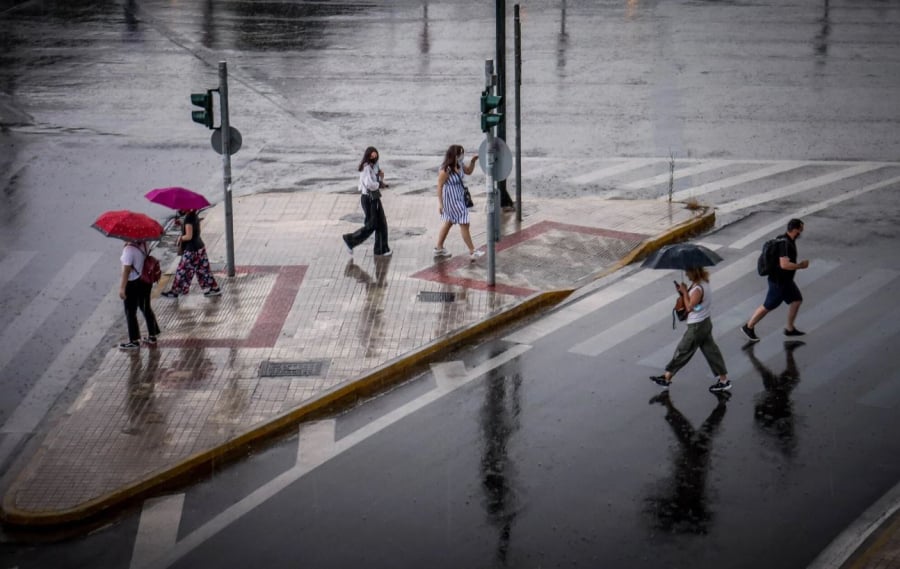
128 226
177 198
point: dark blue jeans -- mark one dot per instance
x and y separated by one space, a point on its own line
137 296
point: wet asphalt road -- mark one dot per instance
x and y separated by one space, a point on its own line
94 107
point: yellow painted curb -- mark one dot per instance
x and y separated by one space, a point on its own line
342 396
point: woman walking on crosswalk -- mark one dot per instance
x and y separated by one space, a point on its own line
698 302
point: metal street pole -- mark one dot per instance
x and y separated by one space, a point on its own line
226 166
518 89
492 204
505 199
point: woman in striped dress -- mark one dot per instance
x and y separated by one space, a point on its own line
452 203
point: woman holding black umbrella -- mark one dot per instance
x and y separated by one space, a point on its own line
697 301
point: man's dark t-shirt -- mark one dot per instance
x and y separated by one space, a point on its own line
787 247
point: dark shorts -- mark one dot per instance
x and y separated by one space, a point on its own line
781 292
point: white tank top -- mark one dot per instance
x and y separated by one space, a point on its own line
701 311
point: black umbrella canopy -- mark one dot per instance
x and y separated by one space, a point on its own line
682 256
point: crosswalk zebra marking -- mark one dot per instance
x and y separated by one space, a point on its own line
598 175
797 188
781 223
732 181
653 314
677 175
12 265
737 315
157 529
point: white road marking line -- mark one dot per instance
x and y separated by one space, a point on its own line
158 529
733 181
44 393
13 263
315 443
797 188
598 175
737 315
20 330
615 335
677 175
272 488
781 224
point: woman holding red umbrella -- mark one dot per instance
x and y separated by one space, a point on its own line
135 293
193 260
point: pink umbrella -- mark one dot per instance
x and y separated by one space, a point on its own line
177 198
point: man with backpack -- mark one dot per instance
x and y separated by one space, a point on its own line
782 287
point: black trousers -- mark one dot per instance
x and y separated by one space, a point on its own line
137 296
375 223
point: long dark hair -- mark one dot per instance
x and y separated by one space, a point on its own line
451 157
366 160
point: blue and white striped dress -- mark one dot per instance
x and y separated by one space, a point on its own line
453 199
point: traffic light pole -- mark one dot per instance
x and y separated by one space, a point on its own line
226 167
492 204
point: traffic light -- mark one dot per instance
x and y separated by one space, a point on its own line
204 100
488 104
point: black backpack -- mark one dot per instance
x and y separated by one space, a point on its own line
767 263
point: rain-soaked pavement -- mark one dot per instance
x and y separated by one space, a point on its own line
95 111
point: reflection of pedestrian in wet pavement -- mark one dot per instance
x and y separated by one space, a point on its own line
499 420
141 386
681 506
773 411
452 201
371 180
370 321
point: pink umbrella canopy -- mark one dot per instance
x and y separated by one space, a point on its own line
177 198
128 226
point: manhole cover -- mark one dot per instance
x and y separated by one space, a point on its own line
434 296
307 368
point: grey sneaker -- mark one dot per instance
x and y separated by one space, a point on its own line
720 386
441 252
750 333
475 255
130 346
213 292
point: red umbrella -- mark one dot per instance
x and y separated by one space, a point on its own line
177 198
128 226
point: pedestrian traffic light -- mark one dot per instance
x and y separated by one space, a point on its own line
488 104
204 100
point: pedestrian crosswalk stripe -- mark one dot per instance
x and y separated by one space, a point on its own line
597 175
815 315
13 263
732 181
730 320
655 313
677 175
781 224
797 188
157 530
24 326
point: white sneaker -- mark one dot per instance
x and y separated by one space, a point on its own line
475 255
441 252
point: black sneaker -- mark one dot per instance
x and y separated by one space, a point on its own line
150 340
793 332
750 333
130 346
213 292
720 386
661 381
169 294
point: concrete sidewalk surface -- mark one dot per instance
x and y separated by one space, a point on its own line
304 328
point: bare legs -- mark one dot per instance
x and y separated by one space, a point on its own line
463 230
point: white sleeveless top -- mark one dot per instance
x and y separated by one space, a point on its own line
701 311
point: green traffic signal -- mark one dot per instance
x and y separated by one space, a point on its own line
488 104
204 117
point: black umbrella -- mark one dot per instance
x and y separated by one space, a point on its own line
681 256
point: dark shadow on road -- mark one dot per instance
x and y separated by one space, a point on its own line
773 410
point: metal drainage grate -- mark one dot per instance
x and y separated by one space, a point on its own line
435 296
308 368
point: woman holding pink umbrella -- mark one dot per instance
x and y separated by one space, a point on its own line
190 246
193 260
